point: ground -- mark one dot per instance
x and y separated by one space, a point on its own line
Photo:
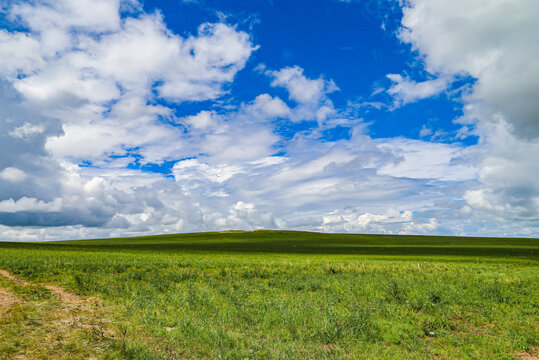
270 295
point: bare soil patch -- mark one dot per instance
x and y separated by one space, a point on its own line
534 355
65 297
7 299
13 278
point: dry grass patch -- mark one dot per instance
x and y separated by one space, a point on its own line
7 299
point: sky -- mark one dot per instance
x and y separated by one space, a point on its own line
124 118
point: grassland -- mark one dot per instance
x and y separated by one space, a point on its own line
271 295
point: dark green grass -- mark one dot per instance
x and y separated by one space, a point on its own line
298 295
288 242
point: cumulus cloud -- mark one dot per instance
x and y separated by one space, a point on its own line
309 95
268 107
21 51
422 228
94 16
12 174
300 88
203 120
79 86
507 172
494 42
88 81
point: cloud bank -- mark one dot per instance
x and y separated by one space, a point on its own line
492 41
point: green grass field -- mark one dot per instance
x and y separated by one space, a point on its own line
271 295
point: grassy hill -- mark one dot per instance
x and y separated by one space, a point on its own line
271 295
299 242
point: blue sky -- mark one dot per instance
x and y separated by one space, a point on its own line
122 117
352 43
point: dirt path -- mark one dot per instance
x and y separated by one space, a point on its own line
7 299
44 321
62 326
65 297
13 278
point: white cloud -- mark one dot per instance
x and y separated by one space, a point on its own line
27 130
300 88
193 170
91 15
13 175
352 221
477 199
30 204
494 42
310 96
422 228
239 144
507 171
194 68
19 51
268 107
291 188
88 81
404 90
426 160
425 131
203 120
